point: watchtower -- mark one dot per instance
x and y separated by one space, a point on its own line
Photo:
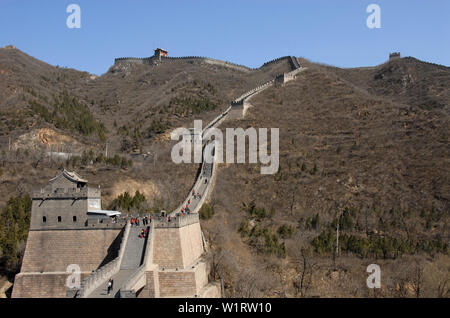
67 227
160 52
394 55
66 203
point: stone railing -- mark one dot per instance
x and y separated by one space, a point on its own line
214 123
134 283
176 221
102 274
253 91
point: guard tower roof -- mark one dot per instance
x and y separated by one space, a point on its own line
72 176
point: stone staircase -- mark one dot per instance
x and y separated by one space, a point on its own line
134 250
207 170
294 62
132 259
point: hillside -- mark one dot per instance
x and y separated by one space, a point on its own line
127 106
354 145
365 147
113 129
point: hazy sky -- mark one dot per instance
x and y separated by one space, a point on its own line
248 32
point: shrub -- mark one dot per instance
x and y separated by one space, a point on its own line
206 211
257 212
127 202
285 231
14 224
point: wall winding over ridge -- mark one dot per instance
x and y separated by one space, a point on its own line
198 59
193 278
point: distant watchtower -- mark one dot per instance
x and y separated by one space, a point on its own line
394 55
160 52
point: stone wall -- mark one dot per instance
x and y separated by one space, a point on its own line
41 285
183 283
240 105
99 276
191 243
151 289
196 59
177 247
177 283
53 251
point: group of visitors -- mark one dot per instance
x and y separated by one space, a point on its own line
136 221
196 195
146 220
143 233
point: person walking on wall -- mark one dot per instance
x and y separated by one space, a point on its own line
109 286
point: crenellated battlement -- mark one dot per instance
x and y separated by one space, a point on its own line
198 59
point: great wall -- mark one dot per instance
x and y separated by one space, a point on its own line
169 262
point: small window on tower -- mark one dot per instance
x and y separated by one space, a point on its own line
44 219
74 218
59 219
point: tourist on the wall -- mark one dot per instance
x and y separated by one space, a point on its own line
110 284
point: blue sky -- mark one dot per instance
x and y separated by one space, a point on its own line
248 32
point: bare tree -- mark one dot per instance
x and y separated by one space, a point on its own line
418 279
306 269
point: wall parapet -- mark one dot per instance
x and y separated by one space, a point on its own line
67 193
175 221
194 58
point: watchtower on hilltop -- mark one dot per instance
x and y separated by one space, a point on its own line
394 55
160 52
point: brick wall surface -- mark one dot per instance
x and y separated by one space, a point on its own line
46 285
191 243
167 248
201 276
53 251
177 284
